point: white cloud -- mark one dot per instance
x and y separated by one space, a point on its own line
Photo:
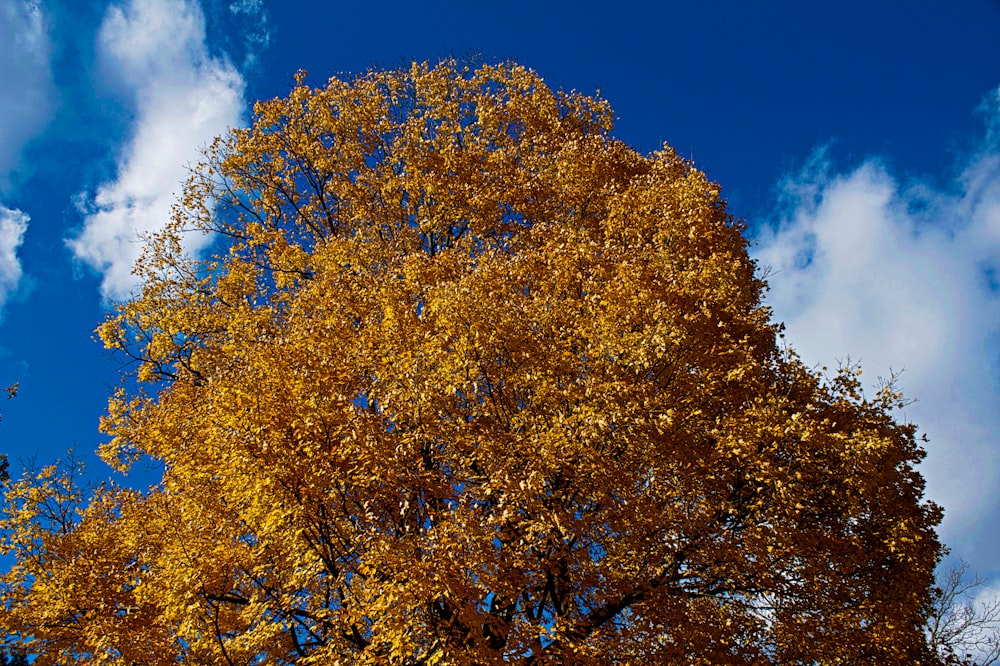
13 224
905 276
184 97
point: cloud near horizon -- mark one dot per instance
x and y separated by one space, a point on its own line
155 52
903 276
26 100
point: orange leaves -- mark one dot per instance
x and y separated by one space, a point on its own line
468 381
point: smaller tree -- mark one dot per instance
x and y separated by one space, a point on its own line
37 507
9 658
960 630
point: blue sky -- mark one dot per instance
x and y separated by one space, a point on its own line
860 141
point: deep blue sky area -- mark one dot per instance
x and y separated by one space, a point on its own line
746 89
859 140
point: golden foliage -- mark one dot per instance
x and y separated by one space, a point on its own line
468 381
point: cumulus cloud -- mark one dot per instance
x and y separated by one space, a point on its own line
156 51
904 276
13 224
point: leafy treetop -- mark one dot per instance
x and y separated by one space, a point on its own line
468 381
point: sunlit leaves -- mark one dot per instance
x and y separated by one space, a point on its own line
469 381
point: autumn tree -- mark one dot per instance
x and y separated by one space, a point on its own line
8 657
466 380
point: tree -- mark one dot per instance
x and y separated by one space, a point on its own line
8 657
959 630
465 380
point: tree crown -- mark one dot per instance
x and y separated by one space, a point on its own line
467 380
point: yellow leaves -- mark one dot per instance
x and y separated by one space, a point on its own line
469 381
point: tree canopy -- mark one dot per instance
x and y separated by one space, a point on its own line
463 379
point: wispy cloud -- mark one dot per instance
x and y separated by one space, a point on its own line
904 275
183 97
254 25
25 106
25 82
13 224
